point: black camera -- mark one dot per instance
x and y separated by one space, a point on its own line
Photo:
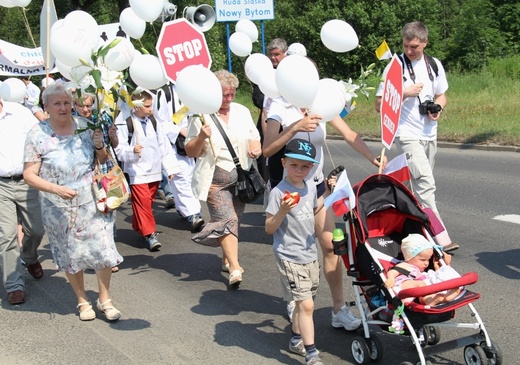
429 106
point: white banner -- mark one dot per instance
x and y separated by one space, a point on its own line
18 61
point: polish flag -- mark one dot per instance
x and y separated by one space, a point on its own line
398 168
343 199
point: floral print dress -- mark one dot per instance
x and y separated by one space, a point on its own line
81 237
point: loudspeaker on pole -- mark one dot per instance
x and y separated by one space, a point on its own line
203 16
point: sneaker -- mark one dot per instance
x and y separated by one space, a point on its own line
299 348
315 360
153 242
196 222
170 202
290 309
346 319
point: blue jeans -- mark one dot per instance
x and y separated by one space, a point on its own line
165 185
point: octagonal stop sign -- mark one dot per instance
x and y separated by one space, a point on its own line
181 44
391 102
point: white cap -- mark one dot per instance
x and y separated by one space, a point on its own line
297 48
47 81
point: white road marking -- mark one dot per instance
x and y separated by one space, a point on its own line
511 218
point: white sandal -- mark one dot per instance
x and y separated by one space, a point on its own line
87 314
235 278
110 312
225 268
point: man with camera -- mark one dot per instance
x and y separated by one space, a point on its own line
424 98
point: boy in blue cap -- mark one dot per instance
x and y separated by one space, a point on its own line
290 219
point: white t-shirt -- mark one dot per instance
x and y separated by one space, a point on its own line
286 114
412 124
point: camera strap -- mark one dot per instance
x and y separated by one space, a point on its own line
409 66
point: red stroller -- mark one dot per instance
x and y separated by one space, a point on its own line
386 212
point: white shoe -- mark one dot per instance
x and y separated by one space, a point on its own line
346 319
290 309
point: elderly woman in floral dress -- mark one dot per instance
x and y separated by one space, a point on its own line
59 161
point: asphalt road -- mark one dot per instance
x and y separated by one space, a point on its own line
177 308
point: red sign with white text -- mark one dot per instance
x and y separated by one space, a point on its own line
392 100
180 44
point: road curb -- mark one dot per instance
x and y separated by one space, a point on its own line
460 146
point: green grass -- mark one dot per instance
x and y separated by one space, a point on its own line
483 107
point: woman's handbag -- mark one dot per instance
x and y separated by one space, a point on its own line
250 184
111 188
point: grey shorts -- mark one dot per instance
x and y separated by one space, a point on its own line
299 281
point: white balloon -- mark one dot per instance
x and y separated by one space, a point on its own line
330 99
63 69
240 44
148 10
199 89
75 38
132 24
22 3
7 3
13 89
121 56
339 36
59 24
146 71
256 66
297 80
81 20
268 84
248 27
70 45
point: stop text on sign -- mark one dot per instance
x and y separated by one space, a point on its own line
182 51
392 96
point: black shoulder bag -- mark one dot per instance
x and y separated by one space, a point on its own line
250 184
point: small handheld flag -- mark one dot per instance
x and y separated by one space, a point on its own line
343 199
383 51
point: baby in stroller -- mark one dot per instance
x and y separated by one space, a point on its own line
412 272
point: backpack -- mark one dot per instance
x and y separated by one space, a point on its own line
130 126
180 141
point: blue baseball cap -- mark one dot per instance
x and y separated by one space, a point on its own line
301 149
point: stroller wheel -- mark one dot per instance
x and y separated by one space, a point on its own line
433 334
475 355
375 347
494 354
360 351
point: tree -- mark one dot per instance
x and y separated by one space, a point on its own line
477 38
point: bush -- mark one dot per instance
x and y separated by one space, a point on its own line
508 67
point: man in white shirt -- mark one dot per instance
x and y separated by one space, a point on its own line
424 98
19 203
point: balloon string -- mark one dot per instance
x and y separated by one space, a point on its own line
330 155
363 167
26 22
